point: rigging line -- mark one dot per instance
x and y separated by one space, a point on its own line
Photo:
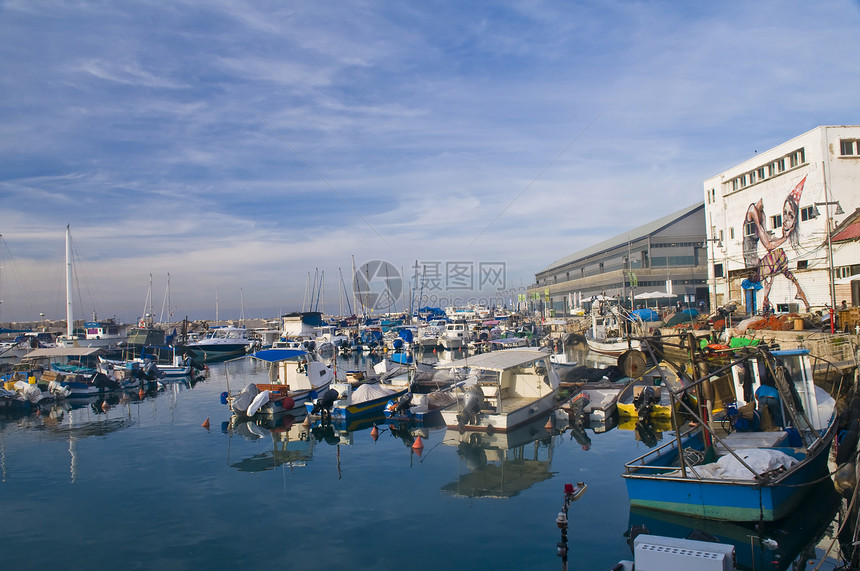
322 178
535 179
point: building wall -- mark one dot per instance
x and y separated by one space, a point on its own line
791 274
672 257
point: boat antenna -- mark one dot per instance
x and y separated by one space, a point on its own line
69 323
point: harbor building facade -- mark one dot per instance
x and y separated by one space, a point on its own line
667 256
782 227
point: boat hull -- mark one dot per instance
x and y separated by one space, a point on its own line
505 421
615 348
729 500
372 407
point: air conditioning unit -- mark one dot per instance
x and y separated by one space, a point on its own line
658 553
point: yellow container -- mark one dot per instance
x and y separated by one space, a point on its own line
798 324
9 385
32 380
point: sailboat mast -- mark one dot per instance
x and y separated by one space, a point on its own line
70 324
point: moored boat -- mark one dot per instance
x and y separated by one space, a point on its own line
221 343
504 389
295 377
754 475
343 402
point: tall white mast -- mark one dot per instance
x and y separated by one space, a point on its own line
70 324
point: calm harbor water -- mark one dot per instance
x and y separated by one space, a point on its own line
143 485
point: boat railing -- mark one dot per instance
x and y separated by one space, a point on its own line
643 464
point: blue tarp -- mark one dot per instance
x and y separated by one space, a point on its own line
274 355
646 314
401 358
406 335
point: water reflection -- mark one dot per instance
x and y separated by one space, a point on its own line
502 464
292 443
772 546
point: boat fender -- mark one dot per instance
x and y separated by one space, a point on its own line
288 403
847 444
224 397
844 480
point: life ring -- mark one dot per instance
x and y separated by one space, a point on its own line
141 323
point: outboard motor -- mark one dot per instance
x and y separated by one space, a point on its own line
472 400
403 404
323 404
644 403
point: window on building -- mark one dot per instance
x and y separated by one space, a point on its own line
806 213
752 177
743 180
749 229
732 232
718 270
802 264
761 173
797 157
734 184
848 147
776 221
780 165
601 267
771 169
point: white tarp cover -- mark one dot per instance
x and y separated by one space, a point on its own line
258 402
243 400
729 468
369 391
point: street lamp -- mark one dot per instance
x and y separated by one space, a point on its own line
829 220
719 244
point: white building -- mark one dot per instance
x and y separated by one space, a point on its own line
770 220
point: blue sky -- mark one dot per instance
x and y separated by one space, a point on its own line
240 147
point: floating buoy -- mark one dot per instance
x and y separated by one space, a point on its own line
141 393
105 406
549 426
374 432
288 403
418 444
206 423
307 422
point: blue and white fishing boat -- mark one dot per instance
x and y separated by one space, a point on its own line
751 475
295 378
343 402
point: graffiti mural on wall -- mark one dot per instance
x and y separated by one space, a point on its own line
774 262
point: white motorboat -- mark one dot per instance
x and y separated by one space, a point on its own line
610 332
504 389
221 343
454 336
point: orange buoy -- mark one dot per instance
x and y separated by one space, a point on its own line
549 426
374 433
141 394
307 422
105 406
418 444
206 423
